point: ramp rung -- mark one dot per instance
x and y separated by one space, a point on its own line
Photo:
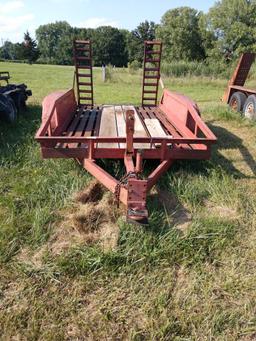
82 49
84 42
83 75
151 69
150 92
153 42
149 98
149 84
85 84
85 98
85 91
152 52
84 67
152 60
82 58
151 77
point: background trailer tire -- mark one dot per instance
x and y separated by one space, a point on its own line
12 98
8 109
249 110
237 101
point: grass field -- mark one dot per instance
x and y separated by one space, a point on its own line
68 275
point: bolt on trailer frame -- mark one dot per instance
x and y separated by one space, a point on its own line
170 130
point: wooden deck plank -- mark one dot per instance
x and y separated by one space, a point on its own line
108 126
72 127
170 127
154 127
142 112
139 130
97 123
161 116
150 112
120 122
80 128
73 124
90 124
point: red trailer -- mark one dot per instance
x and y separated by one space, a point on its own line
166 131
239 97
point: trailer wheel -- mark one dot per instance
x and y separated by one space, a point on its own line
237 101
18 101
8 109
250 107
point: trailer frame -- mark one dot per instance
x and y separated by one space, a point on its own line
70 130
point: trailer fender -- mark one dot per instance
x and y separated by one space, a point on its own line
183 109
57 106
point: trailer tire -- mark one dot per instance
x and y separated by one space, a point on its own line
8 109
237 101
18 101
249 110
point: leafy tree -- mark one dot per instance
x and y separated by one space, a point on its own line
233 22
145 31
125 36
55 42
181 36
109 46
207 36
11 51
29 49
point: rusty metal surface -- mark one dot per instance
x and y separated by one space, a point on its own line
151 72
82 51
240 75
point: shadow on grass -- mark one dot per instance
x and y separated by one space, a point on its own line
167 212
228 140
21 131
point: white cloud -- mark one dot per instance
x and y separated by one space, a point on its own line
96 22
14 20
10 6
12 24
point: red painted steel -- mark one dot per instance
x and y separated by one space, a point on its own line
239 77
82 51
130 121
69 131
151 72
136 200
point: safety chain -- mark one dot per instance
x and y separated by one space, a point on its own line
123 182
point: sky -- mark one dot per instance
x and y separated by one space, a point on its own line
17 16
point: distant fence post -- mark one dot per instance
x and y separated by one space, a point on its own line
104 73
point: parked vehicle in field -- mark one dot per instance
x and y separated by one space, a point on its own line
12 98
238 97
167 130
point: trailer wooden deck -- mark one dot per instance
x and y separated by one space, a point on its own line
166 131
109 120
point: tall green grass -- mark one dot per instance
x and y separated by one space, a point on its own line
161 282
215 69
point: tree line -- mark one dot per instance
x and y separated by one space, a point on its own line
228 29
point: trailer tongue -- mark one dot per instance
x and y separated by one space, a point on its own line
171 130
